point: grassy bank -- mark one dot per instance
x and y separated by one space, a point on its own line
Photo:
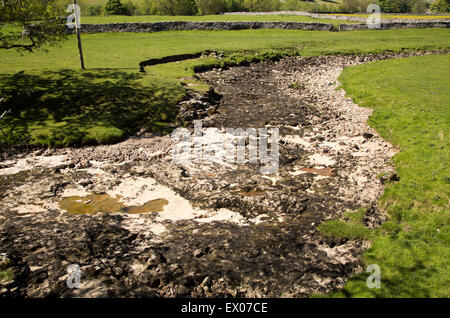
53 103
57 108
411 101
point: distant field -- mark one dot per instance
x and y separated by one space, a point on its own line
397 16
126 50
158 18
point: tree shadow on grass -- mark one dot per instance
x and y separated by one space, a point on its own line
72 107
409 277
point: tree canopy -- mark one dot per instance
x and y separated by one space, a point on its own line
30 24
441 6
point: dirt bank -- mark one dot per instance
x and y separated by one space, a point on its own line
217 229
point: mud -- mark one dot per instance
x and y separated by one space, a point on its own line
209 230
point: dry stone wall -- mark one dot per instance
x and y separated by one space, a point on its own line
207 26
224 25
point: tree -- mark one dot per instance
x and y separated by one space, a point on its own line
114 7
262 5
210 6
95 10
130 8
146 6
419 6
173 7
441 6
394 6
234 5
402 6
31 24
351 6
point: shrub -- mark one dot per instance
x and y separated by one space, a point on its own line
403 6
114 7
289 5
146 7
173 7
234 5
262 5
130 8
441 6
94 10
210 6
394 6
419 6
386 6
352 6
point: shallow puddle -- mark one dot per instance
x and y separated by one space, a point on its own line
150 206
325 172
94 203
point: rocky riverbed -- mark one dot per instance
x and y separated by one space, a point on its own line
139 224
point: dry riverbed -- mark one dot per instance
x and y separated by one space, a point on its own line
140 225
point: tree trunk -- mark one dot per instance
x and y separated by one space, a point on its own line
80 49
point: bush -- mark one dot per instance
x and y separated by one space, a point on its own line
262 5
172 7
146 7
393 6
386 6
290 5
309 5
94 10
210 6
114 7
234 6
130 8
441 6
403 6
352 6
419 6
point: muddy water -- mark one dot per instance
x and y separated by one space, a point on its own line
95 203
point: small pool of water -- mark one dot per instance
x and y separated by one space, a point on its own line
94 203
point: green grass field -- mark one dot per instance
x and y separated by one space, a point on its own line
411 101
68 101
103 50
158 18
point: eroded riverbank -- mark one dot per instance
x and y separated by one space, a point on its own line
224 230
